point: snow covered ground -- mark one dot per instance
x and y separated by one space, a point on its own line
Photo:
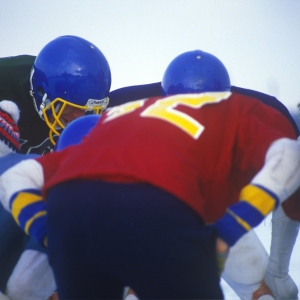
264 233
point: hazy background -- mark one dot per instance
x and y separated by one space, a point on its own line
258 41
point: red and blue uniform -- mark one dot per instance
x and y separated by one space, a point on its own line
206 169
142 185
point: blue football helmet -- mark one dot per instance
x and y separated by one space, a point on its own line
195 72
69 71
74 133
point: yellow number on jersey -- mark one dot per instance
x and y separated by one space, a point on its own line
165 109
123 109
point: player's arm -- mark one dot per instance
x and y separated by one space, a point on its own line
20 194
275 182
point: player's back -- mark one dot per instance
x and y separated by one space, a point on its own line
195 146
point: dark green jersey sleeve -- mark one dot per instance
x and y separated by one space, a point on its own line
15 86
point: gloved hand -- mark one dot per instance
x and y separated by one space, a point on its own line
9 131
282 287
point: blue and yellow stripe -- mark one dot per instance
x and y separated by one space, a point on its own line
256 202
29 211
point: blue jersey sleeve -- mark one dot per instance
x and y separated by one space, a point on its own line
29 211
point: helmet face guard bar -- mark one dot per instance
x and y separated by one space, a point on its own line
51 112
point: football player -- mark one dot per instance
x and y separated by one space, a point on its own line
187 160
248 251
69 78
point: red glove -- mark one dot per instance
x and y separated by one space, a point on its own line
9 131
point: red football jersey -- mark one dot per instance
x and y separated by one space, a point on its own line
202 148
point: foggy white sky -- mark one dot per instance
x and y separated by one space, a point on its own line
258 41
